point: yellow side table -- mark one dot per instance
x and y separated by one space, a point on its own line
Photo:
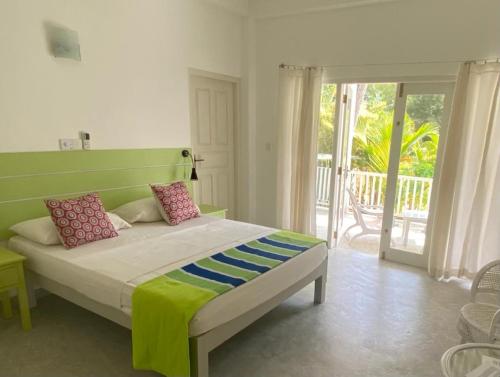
12 276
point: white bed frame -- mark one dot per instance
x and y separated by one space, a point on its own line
201 345
162 165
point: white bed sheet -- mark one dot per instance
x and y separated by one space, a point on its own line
108 271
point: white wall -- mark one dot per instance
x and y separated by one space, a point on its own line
238 6
131 88
391 32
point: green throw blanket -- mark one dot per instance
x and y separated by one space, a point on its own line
163 307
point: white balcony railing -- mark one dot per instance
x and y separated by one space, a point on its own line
413 193
323 175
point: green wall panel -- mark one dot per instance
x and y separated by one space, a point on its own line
118 175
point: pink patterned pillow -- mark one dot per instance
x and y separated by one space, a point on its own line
175 203
80 220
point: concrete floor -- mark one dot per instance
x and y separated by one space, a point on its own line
380 319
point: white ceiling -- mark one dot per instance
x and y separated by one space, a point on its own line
277 8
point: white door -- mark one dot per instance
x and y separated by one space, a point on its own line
341 136
212 138
408 202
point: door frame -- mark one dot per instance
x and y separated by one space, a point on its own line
450 80
403 91
236 84
332 238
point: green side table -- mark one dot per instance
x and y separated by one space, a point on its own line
208 209
12 276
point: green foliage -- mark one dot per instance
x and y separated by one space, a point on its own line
325 136
373 131
425 108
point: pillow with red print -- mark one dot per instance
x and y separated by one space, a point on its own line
81 220
175 203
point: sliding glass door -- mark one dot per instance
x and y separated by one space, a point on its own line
418 131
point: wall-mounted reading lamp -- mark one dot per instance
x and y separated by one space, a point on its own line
194 175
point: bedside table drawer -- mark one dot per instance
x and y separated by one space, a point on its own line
8 276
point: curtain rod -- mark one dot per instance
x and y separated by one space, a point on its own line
472 61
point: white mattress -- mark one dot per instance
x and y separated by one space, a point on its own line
108 271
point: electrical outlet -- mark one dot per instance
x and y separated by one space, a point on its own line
70 144
85 137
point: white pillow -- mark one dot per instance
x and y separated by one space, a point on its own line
43 230
139 211
118 222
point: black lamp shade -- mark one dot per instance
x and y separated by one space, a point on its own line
194 176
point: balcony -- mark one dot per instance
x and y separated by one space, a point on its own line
411 206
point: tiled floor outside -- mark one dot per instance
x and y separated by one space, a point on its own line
371 243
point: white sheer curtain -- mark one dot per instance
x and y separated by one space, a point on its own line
466 224
299 106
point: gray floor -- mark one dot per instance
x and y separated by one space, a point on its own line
380 319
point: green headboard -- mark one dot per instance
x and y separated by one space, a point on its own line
118 175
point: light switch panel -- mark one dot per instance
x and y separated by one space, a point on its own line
70 144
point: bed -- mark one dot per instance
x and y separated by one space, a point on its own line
101 276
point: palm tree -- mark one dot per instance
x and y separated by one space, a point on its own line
372 142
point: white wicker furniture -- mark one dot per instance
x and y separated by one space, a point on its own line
461 359
359 211
480 322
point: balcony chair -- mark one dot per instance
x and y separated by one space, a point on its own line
480 322
359 211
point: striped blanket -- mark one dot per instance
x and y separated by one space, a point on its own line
163 307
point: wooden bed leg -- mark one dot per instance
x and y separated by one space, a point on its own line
199 358
319 290
320 286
